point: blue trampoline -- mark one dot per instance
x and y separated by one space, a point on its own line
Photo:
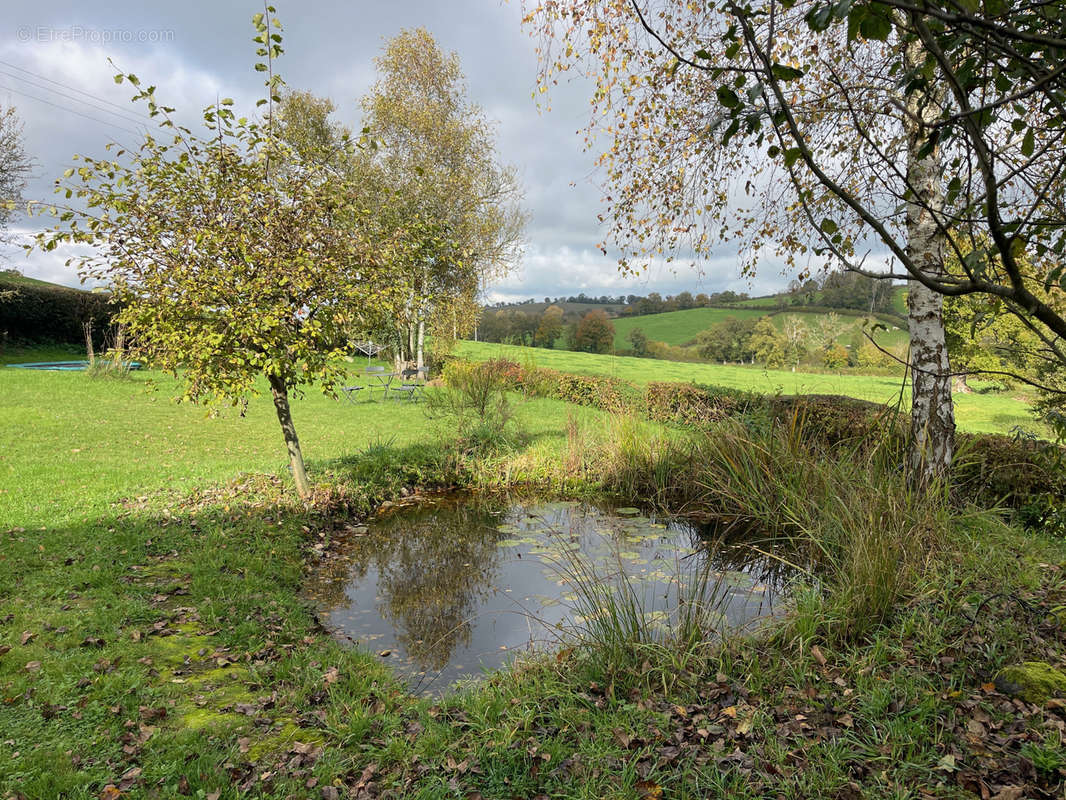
65 366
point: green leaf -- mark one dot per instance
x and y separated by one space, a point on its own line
727 97
875 27
792 155
1028 143
783 73
828 226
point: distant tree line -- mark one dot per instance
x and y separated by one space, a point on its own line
841 290
844 290
591 332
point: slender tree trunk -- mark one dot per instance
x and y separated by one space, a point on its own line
88 327
932 444
420 355
288 430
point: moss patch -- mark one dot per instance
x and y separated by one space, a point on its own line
1033 681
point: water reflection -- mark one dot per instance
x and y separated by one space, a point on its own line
445 590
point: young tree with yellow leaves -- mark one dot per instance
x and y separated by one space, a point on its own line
233 256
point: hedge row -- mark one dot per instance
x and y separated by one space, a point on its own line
34 314
991 468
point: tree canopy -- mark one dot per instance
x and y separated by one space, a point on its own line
457 209
872 136
234 254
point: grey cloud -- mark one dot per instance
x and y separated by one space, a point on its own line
329 49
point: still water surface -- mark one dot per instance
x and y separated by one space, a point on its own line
452 588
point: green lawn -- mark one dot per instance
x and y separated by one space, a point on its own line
983 413
73 444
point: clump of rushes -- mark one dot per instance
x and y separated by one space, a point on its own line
849 516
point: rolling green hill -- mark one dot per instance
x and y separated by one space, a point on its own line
675 327
15 279
678 327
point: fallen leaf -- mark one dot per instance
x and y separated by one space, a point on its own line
817 653
947 763
27 637
110 792
33 666
1009 793
649 790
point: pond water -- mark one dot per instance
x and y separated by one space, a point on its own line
449 589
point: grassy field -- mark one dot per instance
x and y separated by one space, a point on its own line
15 279
899 300
992 412
674 327
74 445
848 327
678 327
155 640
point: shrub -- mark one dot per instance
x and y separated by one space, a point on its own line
688 404
1016 471
475 398
598 391
835 357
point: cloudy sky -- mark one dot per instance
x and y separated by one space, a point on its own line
54 68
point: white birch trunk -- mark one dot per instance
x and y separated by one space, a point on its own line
419 356
932 443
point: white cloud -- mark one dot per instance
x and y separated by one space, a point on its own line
568 271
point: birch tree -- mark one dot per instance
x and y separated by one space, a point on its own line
15 166
441 183
868 135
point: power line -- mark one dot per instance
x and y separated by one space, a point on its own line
71 97
70 110
72 88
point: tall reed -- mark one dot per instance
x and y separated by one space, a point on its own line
846 512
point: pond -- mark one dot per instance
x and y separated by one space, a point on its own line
449 589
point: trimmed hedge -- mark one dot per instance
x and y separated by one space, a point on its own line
54 314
